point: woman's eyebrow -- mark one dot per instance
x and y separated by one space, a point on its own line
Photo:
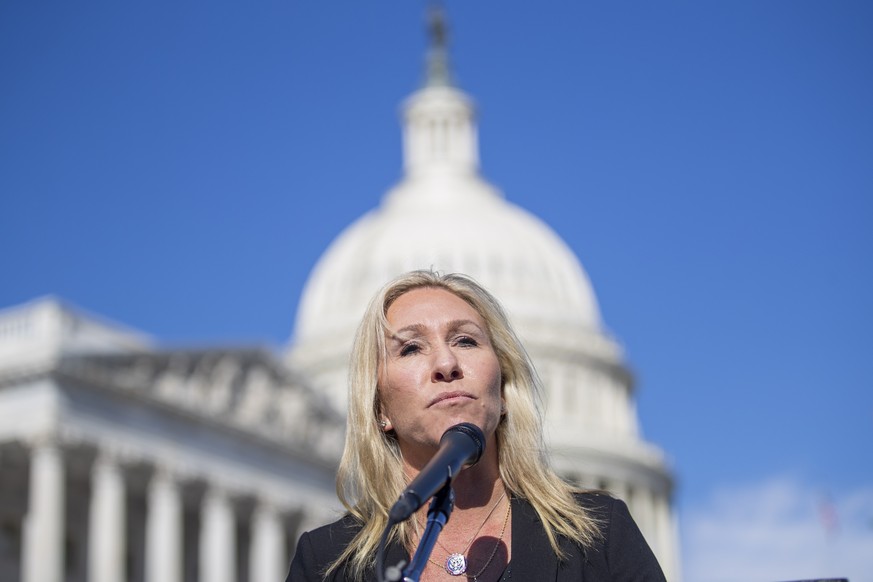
419 329
456 324
415 328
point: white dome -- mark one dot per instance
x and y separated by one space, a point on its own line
452 225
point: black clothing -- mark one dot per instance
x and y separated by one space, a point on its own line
622 555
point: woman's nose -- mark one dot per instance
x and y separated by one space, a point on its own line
446 367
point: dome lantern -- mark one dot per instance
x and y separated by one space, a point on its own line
439 127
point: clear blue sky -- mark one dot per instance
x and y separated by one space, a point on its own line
180 167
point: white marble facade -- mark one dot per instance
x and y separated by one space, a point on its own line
129 463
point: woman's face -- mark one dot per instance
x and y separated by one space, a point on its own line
440 370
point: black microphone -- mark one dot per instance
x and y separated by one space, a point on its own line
460 446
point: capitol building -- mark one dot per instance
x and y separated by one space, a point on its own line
125 461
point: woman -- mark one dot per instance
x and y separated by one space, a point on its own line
433 351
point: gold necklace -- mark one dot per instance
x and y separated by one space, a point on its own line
456 563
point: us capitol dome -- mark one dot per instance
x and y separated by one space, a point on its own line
444 216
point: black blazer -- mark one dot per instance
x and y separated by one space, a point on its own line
621 556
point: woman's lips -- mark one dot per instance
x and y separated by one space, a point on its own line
449 396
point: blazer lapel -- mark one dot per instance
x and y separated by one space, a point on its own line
532 555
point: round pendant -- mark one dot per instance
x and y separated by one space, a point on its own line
456 564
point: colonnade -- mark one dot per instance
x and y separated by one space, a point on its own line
43 543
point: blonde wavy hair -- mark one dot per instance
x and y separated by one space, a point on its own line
370 476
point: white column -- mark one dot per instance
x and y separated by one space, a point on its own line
267 559
675 566
164 542
642 508
667 546
44 536
107 527
217 538
618 489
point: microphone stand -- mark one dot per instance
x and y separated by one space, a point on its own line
437 515
441 507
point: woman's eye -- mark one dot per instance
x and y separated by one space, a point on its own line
409 349
466 341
